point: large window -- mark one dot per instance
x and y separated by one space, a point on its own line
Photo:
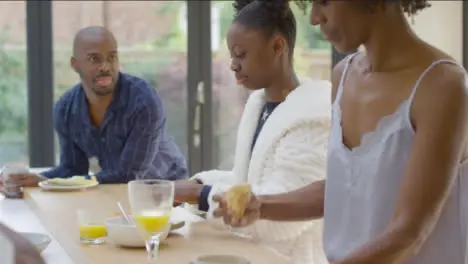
312 59
166 43
13 83
152 43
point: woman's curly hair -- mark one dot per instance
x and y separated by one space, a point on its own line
410 7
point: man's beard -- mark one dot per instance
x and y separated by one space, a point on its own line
99 91
102 92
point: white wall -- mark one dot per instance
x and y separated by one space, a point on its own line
441 26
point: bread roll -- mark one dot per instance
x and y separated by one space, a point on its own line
237 199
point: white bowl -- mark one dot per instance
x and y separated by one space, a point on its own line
126 235
40 241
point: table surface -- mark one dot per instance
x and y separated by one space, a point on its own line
57 212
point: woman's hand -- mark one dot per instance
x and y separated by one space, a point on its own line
252 211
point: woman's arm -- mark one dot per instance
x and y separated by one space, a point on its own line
196 189
305 203
214 176
440 120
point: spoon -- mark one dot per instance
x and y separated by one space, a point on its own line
122 211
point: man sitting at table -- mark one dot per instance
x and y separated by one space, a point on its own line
113 116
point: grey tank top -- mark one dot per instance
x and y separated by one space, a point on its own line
363 184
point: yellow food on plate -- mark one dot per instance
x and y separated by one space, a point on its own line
74 181
237 199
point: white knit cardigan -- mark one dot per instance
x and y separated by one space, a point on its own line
290 153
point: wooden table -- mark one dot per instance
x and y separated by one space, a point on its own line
57 212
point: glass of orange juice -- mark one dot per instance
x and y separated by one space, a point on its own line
151 205
92 228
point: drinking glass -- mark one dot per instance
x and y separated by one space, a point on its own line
12 190
151 205
92 227
238 232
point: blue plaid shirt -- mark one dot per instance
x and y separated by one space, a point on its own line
131 142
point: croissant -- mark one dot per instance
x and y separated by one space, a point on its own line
237 199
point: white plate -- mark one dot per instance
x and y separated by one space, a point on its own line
45 185
40 241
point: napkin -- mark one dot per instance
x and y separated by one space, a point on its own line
74 181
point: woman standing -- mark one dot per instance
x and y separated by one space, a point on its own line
396 188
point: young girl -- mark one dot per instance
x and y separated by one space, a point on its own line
281 143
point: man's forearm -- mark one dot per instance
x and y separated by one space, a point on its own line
57 172
104 177
305 203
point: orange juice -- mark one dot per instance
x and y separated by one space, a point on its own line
152 222
93 231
